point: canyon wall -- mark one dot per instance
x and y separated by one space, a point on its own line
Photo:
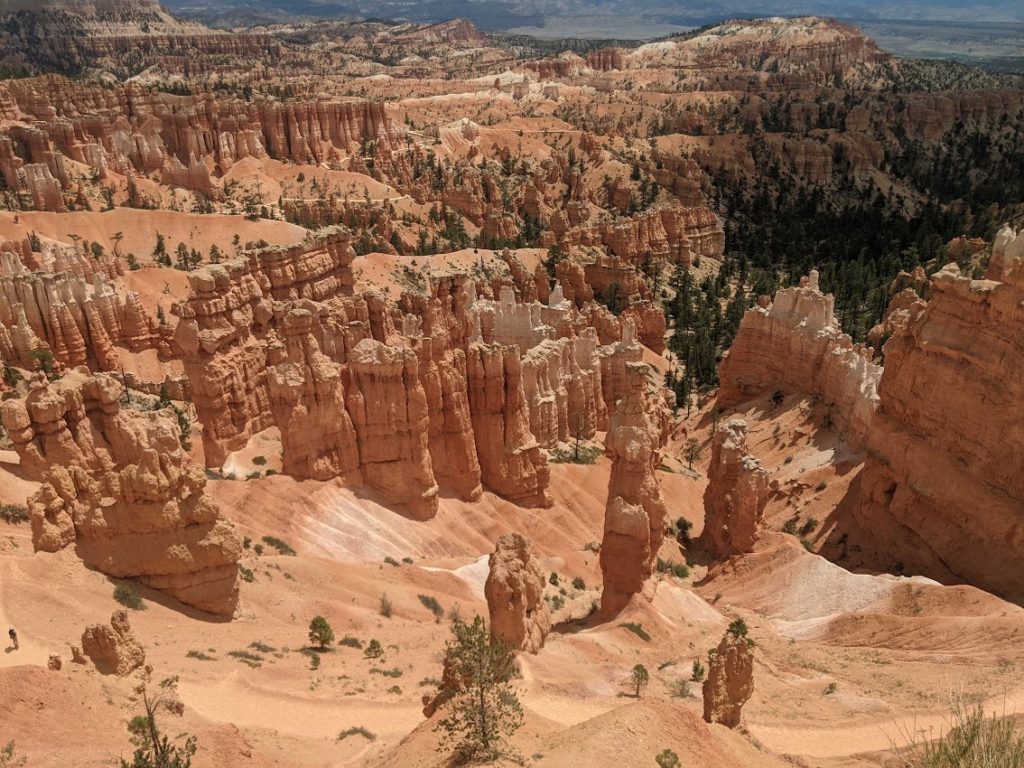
71 306
795 344
444 386
942 486
130 129
941 425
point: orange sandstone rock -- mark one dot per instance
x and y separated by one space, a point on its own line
635 513
113 649
736 494
515 591
730 680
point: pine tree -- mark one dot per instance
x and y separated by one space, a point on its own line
153 748
483 710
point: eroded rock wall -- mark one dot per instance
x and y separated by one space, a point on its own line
795 344
117 484
942 487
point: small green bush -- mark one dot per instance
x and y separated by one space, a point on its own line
667 759
200 655
637 629
579 583
280 546
128 596
396 672
553 579
386 608
431 604
373 650
738 628
246 574
680 689
391 561
360 731
261 647
259 461
351 642
698 671
13 513
679 570
247 657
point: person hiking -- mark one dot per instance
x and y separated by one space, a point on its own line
14 637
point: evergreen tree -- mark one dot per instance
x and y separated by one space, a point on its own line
483 710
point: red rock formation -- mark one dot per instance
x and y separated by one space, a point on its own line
389 411
562 386
649 319
795 345
454 31
118 485
634 518
59 310
511 462
736 495
730 680
132 130
231 308
113 649
307 398
605 59
515 592
942 490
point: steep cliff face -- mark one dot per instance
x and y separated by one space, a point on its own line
71 36
223 328
117 484
634 518
307 399
819 50
442 385
70 307
795 345
942 487
511 462
389 411
736 495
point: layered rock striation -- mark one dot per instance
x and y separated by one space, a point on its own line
118 486
941 487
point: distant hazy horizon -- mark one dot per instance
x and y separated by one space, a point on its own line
603 18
